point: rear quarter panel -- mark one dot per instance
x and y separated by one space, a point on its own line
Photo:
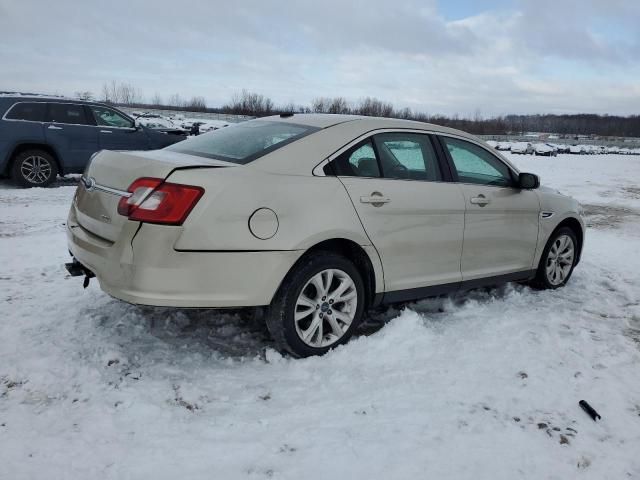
309 210
14 133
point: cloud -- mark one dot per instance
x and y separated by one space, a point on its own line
534 56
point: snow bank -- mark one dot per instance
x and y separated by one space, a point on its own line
484 385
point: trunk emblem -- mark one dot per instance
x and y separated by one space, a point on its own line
105 218
89 183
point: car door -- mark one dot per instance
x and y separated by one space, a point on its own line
501 220
72 134
414 218
116 131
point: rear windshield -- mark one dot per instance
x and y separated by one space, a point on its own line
243 142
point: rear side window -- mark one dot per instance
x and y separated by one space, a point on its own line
33 112
358 161
244 142
67 113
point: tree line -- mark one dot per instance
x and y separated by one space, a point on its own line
258 105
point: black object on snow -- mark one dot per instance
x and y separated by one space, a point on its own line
589 410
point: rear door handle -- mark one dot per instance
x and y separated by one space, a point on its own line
376 199
480 200
106 131
53 127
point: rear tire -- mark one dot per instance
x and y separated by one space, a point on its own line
558 260
318 306
33 168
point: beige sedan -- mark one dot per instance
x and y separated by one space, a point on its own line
316 218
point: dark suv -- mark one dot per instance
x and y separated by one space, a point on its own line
41 137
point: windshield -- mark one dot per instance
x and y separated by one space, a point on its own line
244 142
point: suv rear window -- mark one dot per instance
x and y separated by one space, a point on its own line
244 142
32 111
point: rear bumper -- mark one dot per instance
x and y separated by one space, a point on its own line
143 268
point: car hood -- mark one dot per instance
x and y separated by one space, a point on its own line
161 139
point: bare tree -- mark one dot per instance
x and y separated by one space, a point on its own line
374 108
156 100
128 94
330 105
176 100
197 104
248 103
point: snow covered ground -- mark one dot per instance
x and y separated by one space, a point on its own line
484 385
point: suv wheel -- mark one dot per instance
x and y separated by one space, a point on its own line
318 305
34 168
558 259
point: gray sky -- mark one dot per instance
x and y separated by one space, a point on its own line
496 57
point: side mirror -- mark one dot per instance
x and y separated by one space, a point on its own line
528 181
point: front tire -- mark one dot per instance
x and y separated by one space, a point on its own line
558 260
34 168
318 306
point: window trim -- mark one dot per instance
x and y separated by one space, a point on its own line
85 105
81 105
429 138
512 171
445 169
4 117
352 149
118 112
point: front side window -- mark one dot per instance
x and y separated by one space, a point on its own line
475 165
68 113
244 142
407 156
358 161
105 117
33 112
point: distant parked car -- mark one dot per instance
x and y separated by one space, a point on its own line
522 148
562 148
503 146
577 149
41 137
545 149
492 143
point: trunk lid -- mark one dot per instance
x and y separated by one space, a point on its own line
108 176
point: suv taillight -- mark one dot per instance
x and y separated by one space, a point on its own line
153 200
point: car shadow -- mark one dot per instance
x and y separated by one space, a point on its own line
241 333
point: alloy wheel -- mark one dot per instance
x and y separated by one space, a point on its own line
36 169
325 308
560 259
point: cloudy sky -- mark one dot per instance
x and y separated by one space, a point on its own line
436 56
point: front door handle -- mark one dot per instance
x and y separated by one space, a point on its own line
480 200
53 127
106 131
376 199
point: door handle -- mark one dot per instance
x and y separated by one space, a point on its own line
106 131
53 127
376 199
480 200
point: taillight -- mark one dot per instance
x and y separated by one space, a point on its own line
153 200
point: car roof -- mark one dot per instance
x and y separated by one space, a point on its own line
325 120
34 97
